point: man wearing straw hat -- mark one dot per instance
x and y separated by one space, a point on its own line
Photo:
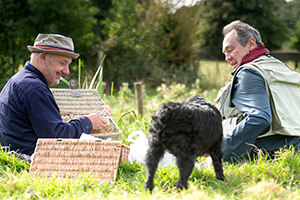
28 110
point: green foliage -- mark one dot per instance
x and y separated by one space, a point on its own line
289 12
260 14
146 40
104 7
124 112
173 37
14 36
98 73
94 83
79 73
296 37
99 84
22 21
123 60
78 14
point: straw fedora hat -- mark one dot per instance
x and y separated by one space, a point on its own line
55 44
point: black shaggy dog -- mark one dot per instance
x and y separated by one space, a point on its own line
187 130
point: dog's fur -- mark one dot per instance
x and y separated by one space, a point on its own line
187 130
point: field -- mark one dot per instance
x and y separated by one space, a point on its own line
258 179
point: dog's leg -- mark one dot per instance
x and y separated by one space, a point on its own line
185 166
154 153
216 156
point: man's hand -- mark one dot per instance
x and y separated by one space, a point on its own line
98 121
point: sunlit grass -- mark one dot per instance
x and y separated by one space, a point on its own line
258 179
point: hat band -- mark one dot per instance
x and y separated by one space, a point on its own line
53 48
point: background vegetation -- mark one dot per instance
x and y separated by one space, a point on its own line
145 40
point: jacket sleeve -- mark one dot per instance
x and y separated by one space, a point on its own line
46 120
251 99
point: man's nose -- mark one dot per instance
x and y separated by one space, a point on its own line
66 70
227 57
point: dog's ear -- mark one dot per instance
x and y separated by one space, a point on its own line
156 124
166 115
163 116
166 111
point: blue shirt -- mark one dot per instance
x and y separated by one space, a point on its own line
28 111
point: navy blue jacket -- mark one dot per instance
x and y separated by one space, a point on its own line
28 111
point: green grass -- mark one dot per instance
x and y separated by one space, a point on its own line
258 179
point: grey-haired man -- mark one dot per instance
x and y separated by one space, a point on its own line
261 103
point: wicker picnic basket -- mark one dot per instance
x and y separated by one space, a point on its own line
74 157
74 103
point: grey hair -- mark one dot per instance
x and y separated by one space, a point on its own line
244 32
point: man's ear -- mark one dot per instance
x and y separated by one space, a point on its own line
43 57
251 44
